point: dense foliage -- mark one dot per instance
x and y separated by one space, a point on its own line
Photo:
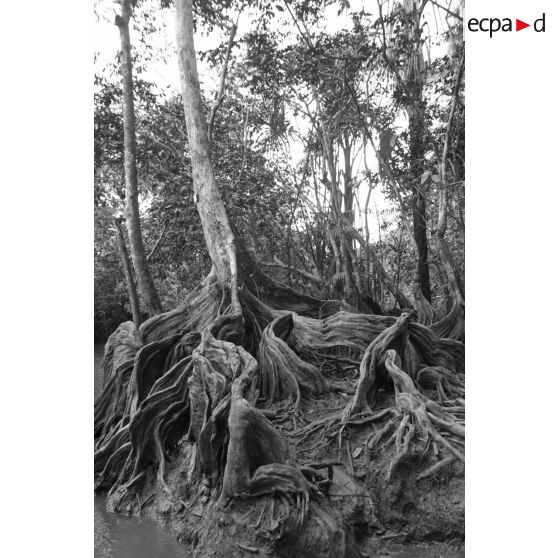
310 143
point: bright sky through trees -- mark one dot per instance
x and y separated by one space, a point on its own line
161 66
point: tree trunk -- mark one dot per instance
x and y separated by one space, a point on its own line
415 110
133 224
422 272
353 281
218 234
348 194
453 325
128 273
456 285
421 280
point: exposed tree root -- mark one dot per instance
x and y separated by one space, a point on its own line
446 383
282 372
110 458
433 350
421 350
343 329
162 419
256 467
194 377
117 365
149 366
416 429
372 373
198 311
452 326
423 308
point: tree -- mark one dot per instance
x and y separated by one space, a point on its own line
453 324
218 234
133 223
194 411
415 110
128 273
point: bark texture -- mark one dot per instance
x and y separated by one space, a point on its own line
210 412
218 234
128 273
415 110
453 325
133 223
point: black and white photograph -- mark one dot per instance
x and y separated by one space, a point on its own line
236 243
279 278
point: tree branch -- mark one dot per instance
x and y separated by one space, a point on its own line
454 14
158 242
221 91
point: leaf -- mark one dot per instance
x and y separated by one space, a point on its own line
435 178
425 176
357 452
279 7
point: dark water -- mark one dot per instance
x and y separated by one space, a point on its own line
117 536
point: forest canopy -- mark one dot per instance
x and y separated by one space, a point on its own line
316 122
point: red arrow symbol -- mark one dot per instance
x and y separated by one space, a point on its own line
519 25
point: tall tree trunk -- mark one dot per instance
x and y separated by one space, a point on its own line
352 280
422 273
128 273
343 258
146 285
453 324
455 282
219 237
348 194
415 110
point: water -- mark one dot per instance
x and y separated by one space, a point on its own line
118 536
